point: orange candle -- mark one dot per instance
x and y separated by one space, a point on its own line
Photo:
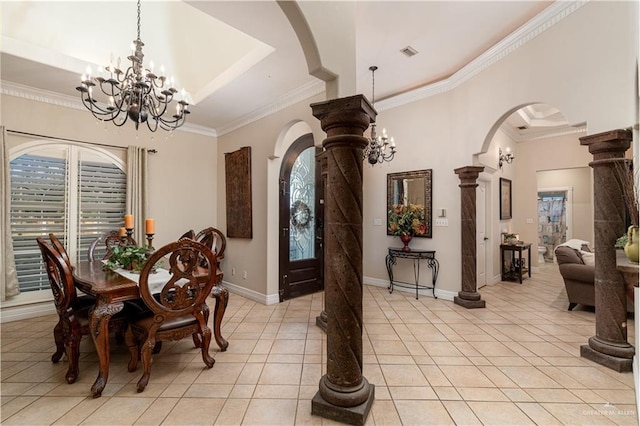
122 232
128 221
150 226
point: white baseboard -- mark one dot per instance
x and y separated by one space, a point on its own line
440 294
265 299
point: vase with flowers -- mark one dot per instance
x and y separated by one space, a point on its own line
405 221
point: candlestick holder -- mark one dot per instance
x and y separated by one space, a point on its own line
130 240
149 241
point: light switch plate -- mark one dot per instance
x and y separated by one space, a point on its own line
442 222
377 222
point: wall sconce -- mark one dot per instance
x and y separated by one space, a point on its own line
507 157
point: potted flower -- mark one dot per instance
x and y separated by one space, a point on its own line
406 221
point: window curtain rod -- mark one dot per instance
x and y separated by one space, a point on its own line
17 132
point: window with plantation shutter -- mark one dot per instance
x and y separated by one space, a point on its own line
75 192
38 203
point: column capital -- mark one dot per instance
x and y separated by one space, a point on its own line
468 174
608 144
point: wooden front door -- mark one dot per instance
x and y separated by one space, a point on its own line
301 220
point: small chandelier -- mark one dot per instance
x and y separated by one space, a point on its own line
136 93
380 148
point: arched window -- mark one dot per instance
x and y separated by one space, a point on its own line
73 191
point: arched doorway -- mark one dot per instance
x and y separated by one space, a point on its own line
301 259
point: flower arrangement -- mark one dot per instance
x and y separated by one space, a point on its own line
407 220
129 257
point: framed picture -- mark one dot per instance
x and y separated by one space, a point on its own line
505 199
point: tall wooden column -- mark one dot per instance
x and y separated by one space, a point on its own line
609 346
344 394
468 296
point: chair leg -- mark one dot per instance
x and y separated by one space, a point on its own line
134 350
145 353
206 341
73 353
221 294
572 305
58 337
196 337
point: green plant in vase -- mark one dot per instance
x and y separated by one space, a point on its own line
130 258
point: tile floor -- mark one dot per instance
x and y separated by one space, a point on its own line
514 363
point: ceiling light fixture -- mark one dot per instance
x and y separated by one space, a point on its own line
138 93
507 157
380 148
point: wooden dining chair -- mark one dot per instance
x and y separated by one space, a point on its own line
177 311
110 240
215 240
73 316
189 234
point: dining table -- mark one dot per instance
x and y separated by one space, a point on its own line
111 289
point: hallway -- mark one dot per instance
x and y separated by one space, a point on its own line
514 363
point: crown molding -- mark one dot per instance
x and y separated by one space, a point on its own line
48 97
291 98
550 16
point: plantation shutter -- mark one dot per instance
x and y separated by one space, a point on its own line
102 201
38 205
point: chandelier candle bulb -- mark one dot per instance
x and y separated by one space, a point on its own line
128 221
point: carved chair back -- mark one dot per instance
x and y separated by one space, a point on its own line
179 309
60 249
110 240
215 240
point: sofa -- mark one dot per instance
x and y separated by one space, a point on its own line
578 277
577 268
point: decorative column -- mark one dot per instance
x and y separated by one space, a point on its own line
344 394
609 346
469 296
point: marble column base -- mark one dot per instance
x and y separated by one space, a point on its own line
351 415
321 321
469 300
613 362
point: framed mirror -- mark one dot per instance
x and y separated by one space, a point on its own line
411 188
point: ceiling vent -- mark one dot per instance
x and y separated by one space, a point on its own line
409 51
522 127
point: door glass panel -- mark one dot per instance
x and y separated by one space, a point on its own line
302 205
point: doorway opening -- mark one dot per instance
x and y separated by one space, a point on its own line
301 221
554 218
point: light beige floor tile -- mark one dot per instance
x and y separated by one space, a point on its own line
615 396
553 395
466 376
461 413
276 391
384 413
447 393
395 359
219 374
157 412
41 410
195 411
175 390
529 377
481 394
578 414
14 404
205 390
403 375
280 374
119 410
303 414
434 375
499 413
411 392
271 412
517 395
538 414
423 412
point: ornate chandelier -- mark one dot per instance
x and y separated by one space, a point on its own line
136 93
380 148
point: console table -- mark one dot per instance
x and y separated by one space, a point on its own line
416 255
518 266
